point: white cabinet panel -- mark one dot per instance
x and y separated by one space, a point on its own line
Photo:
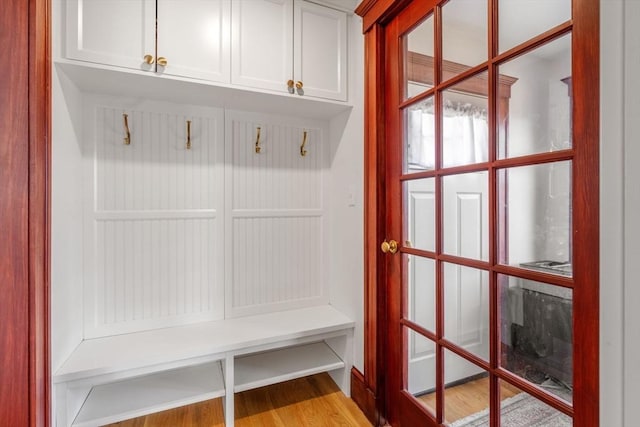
112 32
275 41
262 32
320 50
193 36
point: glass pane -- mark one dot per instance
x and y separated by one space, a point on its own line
464 36
534 217
421 291
466 308
535 98
420 205
419 45
521 20
466 393
465 131
421 368
536 333
518 408
465 218
420 137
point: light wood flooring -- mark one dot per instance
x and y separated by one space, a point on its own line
468 398
311 401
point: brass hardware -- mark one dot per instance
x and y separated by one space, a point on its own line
389 247
298 85
162 61
290 84
148 59
303 152
258 148
188 134
127 138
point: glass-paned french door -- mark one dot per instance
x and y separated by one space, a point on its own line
491 189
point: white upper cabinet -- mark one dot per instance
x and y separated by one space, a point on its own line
112 32
192 35
287 45
262 41
320 51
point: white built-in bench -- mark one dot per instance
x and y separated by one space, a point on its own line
114 378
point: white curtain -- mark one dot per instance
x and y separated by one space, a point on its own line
464 130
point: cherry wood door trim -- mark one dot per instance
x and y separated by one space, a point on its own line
14 214
39 210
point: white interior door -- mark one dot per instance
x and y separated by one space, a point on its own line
466 290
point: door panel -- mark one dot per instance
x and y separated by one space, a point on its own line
320 62
262 59
111 32
194 37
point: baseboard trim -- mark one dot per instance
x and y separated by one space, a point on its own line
364 397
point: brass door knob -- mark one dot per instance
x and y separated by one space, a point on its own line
298 85
148 59
389 247
162 61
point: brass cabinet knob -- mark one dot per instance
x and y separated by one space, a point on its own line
389 247
162 61
148 59
290 84
298 85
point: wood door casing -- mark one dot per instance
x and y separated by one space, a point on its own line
24 213
378 17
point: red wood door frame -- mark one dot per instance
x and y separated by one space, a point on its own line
24 213
377 15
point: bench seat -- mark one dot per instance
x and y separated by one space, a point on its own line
245 353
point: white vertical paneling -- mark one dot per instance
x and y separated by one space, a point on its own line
275 214
155 172
153 216
264 276
278 177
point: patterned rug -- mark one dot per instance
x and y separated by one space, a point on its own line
520 410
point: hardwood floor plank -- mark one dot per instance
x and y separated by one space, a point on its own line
314 401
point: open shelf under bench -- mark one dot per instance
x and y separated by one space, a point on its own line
116 378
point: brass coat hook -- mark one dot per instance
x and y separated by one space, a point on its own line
303 152
127 138
258 148
188 134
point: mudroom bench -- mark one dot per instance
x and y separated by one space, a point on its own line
114 378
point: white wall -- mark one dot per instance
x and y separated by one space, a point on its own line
66 214
618 381
346 229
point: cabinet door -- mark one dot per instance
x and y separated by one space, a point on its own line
112 32
262 43
193 37
320 50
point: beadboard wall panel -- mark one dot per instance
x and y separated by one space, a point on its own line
278 177
152 216
275 214
277 260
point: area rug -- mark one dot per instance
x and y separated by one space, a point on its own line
521 410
